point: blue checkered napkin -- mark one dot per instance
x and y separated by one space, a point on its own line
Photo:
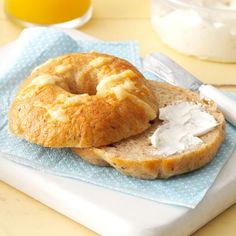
34 47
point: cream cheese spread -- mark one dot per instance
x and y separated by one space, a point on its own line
191 32
183 123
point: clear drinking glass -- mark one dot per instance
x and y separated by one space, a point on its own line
62 13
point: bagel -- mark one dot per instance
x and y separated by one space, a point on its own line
82 100
136 156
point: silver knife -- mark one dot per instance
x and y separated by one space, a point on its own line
166 69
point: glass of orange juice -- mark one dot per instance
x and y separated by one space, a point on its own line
62 13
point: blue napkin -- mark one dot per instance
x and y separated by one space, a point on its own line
34 47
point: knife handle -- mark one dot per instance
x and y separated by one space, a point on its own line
226 104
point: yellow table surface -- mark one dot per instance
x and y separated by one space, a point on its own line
112 20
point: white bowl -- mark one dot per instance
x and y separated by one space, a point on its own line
197 28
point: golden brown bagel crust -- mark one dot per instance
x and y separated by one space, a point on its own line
82 100
136 157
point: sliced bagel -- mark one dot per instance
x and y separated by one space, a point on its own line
82 100
136 156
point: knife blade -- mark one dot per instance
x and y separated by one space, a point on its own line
168 70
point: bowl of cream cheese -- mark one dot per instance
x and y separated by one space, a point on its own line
202 28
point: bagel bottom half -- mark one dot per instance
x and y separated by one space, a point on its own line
134 156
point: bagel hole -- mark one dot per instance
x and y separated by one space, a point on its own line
77 90
84 84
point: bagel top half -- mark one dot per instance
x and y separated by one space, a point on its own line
82 100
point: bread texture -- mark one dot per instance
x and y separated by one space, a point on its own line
82 100
136 156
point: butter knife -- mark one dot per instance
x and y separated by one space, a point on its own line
166 69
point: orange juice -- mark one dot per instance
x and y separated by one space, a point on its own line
47 11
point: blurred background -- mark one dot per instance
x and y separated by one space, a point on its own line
131 20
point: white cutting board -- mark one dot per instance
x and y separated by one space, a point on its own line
113 213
